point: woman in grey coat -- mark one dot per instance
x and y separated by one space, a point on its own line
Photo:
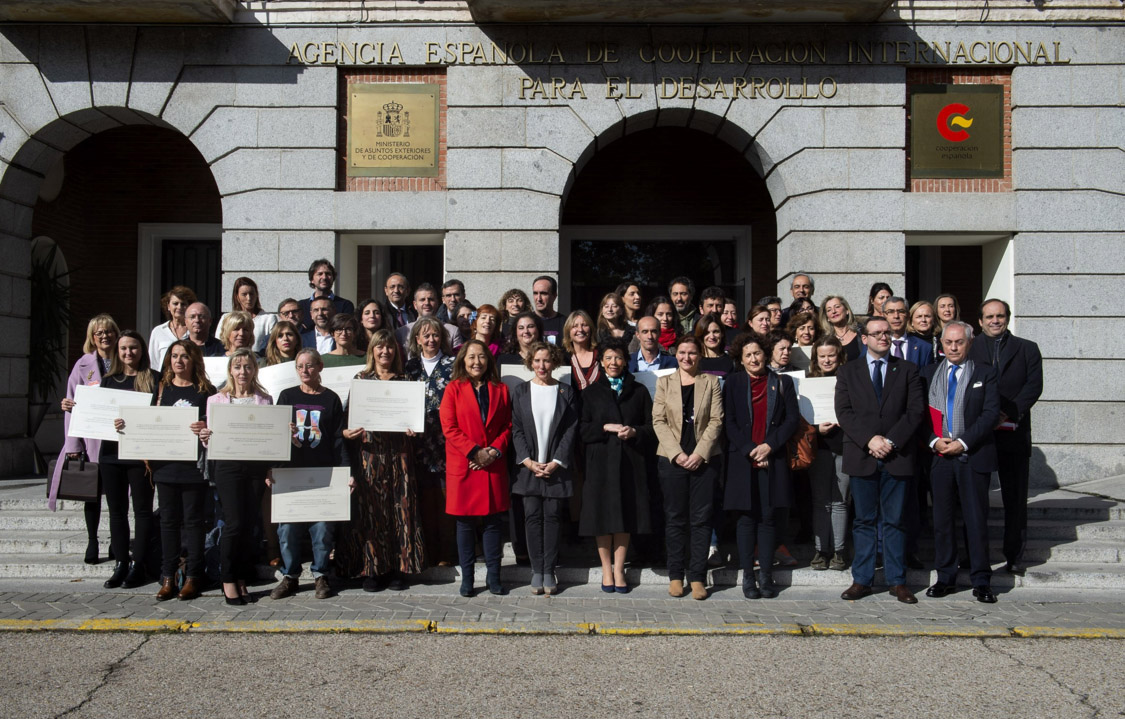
544 418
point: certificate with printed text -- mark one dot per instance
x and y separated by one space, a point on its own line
250 432
95 408
310 494
381 406
339 380
278 377
159 433
816 398
216 368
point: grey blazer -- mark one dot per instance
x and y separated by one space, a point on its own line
560 444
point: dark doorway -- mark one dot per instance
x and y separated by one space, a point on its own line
196 264
957 270
673 179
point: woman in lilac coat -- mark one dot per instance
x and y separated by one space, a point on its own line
101 343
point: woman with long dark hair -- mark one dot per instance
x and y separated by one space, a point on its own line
245 298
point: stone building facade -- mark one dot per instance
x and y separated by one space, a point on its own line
227 122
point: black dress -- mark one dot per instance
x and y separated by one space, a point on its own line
615 493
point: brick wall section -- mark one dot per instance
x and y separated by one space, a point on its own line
989 76
114 181
351 77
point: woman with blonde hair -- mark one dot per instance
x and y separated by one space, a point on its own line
837 320
578 341
101 339
284 343
612 319
237 331
384 543
240 484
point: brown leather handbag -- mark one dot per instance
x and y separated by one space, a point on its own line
78 479
802 447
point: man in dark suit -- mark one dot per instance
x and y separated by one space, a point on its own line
1019 368
397 311
879 404
903 345
964 407
320 336
322 275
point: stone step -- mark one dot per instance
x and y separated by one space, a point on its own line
1065 529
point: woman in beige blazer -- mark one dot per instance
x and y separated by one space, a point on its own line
687 462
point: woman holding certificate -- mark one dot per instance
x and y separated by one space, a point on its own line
432 362
829 483
101 339
124 479
384 541
240 484
687 417
761 417
180 485
544 418
476 416
318 441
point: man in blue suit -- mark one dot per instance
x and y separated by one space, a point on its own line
651 356
964 402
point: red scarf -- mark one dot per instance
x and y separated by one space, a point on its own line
668 337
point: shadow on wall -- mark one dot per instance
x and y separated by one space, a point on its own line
1043 477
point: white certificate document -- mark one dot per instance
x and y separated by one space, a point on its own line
311 494
514 374
95 408
159 433
339 380
382 406
816 398
216 368
250 432
278 377
648 378
800 357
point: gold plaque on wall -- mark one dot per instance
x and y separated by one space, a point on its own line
393 130
957 131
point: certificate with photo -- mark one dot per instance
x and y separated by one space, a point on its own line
381 406
95 408
159 434
250 432
310 494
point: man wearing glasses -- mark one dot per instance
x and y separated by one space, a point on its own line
880 403
290 311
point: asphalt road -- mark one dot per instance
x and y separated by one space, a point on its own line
256 675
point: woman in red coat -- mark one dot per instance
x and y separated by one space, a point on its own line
476 417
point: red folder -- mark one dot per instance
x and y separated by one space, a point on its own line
936 422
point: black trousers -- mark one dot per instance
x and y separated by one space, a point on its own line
490 539
181 524
122 483
1015 470
542 516
687 517
240 486
756 527
954 480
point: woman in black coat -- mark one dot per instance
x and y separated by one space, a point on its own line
616 428
544 422
759 418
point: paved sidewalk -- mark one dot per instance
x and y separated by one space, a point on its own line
438 609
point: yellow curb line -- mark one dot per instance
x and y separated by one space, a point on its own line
1062 632
515 630
355 626
903 630
733 629
94 625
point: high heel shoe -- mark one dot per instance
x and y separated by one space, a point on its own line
91 552
119 571
238 601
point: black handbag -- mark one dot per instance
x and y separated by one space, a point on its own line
77 481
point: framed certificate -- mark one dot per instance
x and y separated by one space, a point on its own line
379 406
310 494
159 433
250 432
816 398
95 408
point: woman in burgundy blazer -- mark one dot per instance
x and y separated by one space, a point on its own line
476 417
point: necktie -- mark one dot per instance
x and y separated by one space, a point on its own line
898 349
949 395
877 379
401 317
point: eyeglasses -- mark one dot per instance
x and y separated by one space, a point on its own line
344 331
104 333
884 333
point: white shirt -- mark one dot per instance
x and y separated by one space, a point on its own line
429 364
871 360
543 400
324 343
263 325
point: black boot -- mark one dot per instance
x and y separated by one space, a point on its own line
136 577
765 584
750 585
494 584
91 551
119 571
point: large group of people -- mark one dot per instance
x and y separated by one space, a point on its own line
677 424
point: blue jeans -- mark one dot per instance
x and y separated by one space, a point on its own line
879 496
289 535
